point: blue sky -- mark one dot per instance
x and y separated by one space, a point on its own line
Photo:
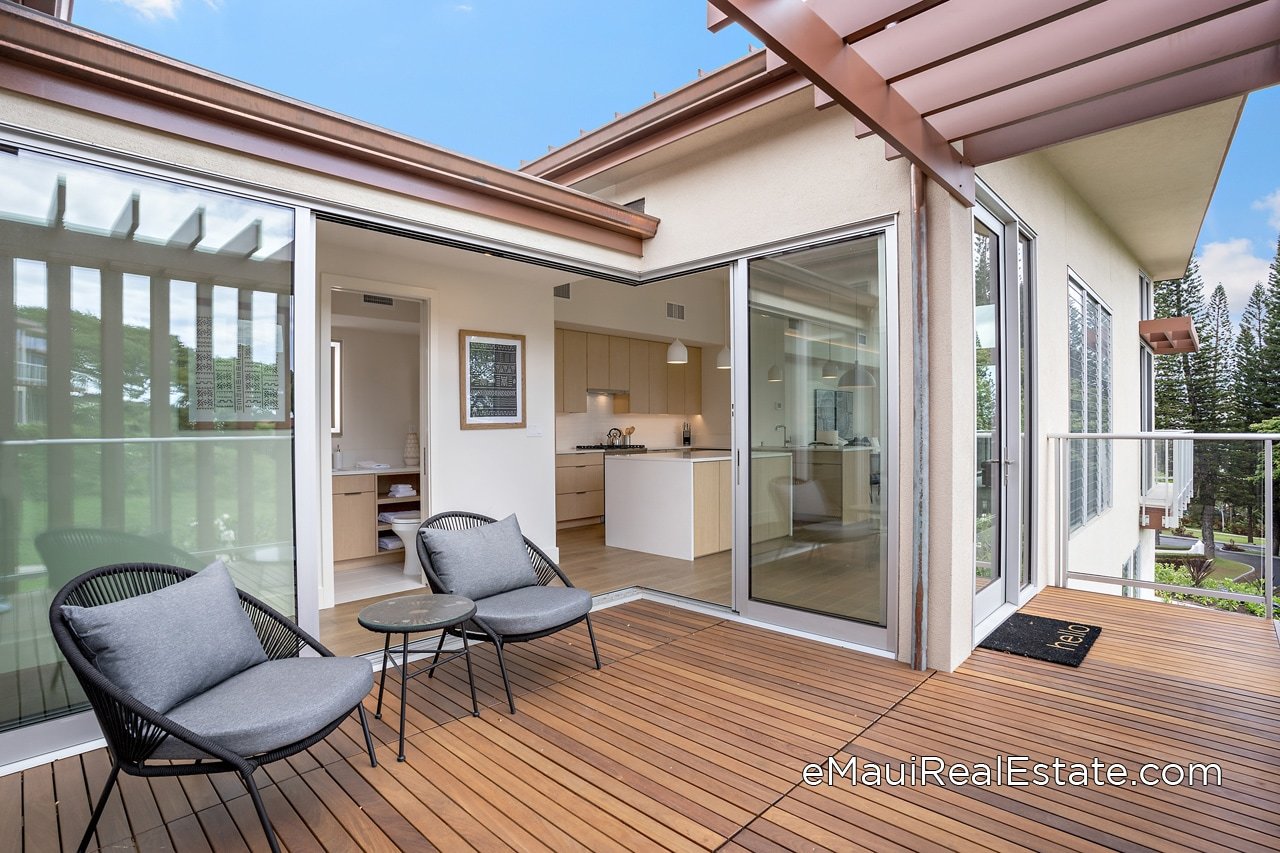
503 79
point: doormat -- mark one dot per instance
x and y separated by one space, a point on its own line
1036 637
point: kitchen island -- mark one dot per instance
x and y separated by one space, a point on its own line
676 503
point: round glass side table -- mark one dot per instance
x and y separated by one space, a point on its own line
416 614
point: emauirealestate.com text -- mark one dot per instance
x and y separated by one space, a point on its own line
1012 770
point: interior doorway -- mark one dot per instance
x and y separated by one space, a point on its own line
377 394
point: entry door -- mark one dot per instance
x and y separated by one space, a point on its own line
1001 270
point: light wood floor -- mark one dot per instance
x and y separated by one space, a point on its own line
592 565
695 734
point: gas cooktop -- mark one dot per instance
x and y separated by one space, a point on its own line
635 448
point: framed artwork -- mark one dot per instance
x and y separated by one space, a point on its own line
833 412
492 380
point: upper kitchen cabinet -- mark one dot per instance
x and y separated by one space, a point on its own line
657 378
636 370
693 383
597 361
574 370
638 376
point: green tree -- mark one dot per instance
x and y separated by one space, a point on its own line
1240 486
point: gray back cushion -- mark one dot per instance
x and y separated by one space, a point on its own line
166 646
482 561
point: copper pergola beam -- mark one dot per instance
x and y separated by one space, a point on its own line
955 28
1170 95
856 20
804 39
1216 40
1073 40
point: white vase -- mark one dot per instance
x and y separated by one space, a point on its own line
411 449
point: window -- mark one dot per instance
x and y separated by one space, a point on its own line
1090 401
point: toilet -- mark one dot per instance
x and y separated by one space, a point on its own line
407 530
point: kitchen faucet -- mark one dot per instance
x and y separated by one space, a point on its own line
786 442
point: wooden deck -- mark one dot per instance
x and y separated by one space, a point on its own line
695 734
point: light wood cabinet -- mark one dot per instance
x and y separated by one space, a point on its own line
771 497
559 368
636 368
619 363
693 383
675 388
712 507
357 500
597 361
638 375
579 489
657 378
574 367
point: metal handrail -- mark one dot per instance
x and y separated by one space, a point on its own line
1064 574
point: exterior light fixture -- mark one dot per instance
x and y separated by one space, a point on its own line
677 353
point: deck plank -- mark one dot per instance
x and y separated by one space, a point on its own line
695 734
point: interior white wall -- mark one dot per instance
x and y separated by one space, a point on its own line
493 471
379 393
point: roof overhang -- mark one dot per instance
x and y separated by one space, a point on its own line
47 59
1169 335
998 78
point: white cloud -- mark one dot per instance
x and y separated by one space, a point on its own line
153 9
1270 204
1234 265
462 7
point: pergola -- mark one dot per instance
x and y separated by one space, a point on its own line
956 84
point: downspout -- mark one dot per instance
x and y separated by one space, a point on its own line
920 428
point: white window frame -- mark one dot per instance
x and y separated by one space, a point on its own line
1099 403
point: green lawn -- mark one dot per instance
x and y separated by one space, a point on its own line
1227 569
1219 536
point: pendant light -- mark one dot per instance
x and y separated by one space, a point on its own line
858 376
677 353
830 370
775 373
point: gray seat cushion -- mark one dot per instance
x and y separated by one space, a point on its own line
166 646
533 609
271 705
482 561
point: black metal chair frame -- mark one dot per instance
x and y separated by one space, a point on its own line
133 730
543 566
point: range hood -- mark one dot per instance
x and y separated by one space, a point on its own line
612 392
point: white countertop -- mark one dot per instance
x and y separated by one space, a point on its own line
677 456
347 472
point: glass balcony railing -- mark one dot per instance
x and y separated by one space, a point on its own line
1179 517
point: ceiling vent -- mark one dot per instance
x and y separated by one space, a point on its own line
675 311
371 299
562 291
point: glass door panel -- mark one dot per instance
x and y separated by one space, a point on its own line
145 410
817 324
989 476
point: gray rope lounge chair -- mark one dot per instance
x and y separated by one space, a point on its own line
514 615
265 712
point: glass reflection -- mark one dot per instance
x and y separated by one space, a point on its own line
818 429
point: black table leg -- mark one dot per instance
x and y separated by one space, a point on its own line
404 691
382 682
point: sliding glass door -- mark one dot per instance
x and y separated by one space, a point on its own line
145 397
818 439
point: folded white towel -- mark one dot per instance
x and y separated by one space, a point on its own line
390 543
403 515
